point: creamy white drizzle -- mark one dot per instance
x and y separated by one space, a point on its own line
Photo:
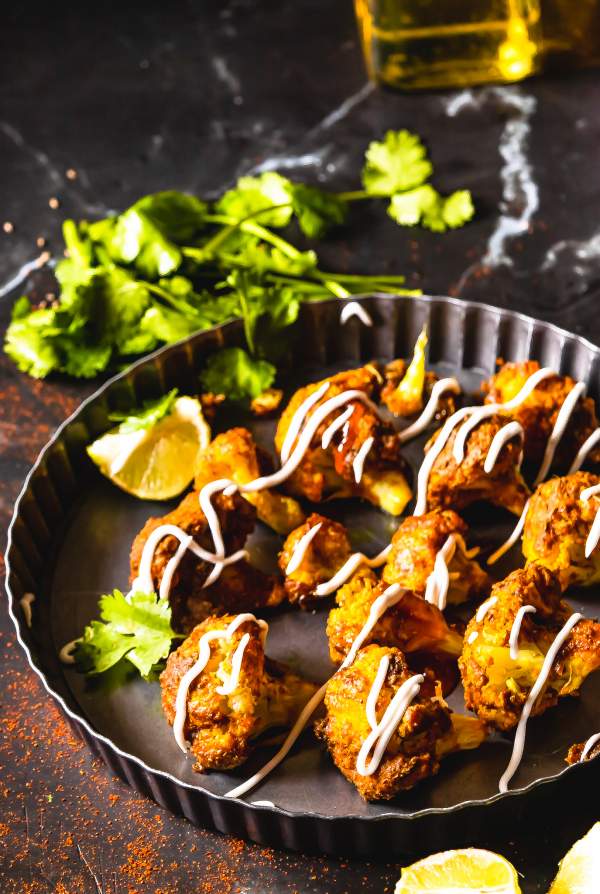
512 539
66 653
297 420
501 438
594 535
348 569
26 602
358 462
487 410
536 690
472 637
201 662
513 640
430 409
345 433
438 582
382 731
588 746
484 608
335 426
371 704
587 446
431 456
301 547
562 419
354 309
389 597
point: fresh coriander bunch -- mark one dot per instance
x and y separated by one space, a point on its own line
171 265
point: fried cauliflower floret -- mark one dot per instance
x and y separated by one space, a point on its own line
575 752
415 546
222 729
557 525
408 386
325 474
234 454
453 485
240 586
537 414
496 686
427 732
325 554
412 624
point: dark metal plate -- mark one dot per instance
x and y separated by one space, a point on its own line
69 542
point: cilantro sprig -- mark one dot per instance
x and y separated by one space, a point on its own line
171 265
136 628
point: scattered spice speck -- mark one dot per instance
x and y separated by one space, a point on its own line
54 203
8 227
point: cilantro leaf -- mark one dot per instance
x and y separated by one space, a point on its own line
137 240
399 162
27 345
177 215
252 194
146 417
82 359
233 372
137 628
317 211
426 206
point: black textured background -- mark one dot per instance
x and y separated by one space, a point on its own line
139 97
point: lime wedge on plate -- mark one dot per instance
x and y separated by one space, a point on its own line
155 463
455 872
579 871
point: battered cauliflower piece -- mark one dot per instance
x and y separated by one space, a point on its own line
496 686
234 454
412 624
575 752
222 730
408 387
325 554
415 545
326 474
427 732
453 485
240 586
557 525
538 413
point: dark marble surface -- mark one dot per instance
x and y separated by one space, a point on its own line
140 97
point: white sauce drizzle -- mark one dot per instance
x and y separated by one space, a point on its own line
371 705
358 462
438 582
431 456
513 640
382 732
354 309
337 423
201 662
536 690
510 541
587 446
481 413
472 637
430 409
484 608
297 420
345 433
588 746
562 419
66 653
348 569
502 437
301 547
594 536
26 602
389 597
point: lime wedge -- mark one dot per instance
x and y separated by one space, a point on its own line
579 871
453 872
155 463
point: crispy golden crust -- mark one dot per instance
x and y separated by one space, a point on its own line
575 751
557 526
412 624
398 404
496 686
415 545
329 474
424 734
222 729
234 454
236 518
538 413
326 553
455 485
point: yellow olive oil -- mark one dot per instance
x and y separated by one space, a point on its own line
445 43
